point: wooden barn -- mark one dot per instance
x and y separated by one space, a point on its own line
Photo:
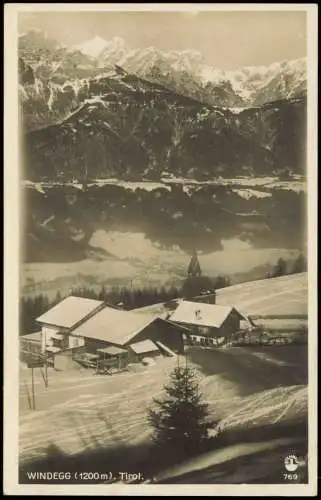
84 328
208 323
116 337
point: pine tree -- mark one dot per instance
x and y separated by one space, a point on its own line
180 420
222 282
195 285
299 265
102 294
280 268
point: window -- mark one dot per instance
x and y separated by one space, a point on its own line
57 342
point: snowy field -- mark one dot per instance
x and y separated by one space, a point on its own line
94 411
287 295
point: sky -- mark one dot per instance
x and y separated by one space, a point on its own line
227 40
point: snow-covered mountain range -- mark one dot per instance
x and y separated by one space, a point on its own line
184 71
135 113
253 84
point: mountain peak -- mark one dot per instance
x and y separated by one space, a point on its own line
92 47
116 41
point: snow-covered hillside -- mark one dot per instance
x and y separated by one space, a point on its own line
80 404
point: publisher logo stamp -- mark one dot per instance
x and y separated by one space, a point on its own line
291 463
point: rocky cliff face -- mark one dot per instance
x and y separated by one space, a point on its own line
126 126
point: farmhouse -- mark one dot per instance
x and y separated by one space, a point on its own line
58 323
208 323
124 334
79 328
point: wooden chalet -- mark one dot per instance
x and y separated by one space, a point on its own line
208 323
116 337
58 323
89 331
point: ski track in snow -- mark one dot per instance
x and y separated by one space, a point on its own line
113 410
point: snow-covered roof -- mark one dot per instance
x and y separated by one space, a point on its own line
198 313
34 337
69 311
113 325
144 346
160 310
112 350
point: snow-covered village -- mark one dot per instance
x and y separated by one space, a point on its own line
89 356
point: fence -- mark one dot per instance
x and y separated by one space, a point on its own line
259 337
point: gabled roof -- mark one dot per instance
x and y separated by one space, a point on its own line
144 346
34 337
113 325
197 313
159 310
69 312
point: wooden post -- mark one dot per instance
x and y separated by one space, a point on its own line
28 396
43 375
46 372
33 389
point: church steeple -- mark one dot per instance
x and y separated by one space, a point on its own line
194 268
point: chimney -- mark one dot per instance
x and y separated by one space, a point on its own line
212 297
198 314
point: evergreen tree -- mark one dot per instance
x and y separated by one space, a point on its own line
180 420
195 285
299 265
222 282
280 268
102 294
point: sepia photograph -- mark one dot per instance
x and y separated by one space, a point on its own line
161 187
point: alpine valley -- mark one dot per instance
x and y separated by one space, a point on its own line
120 140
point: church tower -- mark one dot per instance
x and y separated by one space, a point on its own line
197 287
194 268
